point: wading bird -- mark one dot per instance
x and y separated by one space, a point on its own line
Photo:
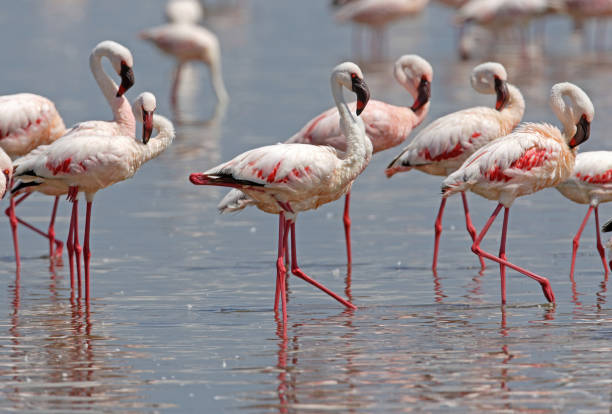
88 163
386 125
533 157
442 146
286 179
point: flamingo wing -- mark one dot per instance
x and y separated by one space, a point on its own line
84 160
293 167
531 153
594 167
451 138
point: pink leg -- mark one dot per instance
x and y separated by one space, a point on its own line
299 273
77 246
70 248
280 268
502 255
470 227
281 227
13 223
51 233
576 241
438 232
544 283
86 250
347 228
600 248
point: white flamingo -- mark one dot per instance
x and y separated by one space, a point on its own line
377 14
386 125
31 120
533 157
442 146
184 11
286 179
189 42
590 183
88 163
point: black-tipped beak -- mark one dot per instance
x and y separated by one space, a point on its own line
424 94
147 125
583 131
502 94
127 79
363 93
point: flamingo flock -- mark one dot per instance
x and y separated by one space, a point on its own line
482 149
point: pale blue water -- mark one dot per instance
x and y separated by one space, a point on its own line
181 318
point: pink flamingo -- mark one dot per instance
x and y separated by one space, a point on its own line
187 42
590 183
533 157
48 125
377 14
386 125
286 179
442 146
88 163
27 121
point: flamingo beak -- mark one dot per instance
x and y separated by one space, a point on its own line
127 79
502 93
583 131
424 91
8 183
147 128
363 93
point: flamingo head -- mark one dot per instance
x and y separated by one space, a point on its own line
416 75
122 61
491 78
350 76
144 107
576 115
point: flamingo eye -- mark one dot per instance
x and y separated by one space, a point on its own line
6 172
353 75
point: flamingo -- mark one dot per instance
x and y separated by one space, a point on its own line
377 14
184 11
498 15
187 42
32 120
88 163
533 157
442 146
386 125
590 183
286 179
27 121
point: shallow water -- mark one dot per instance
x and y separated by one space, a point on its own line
181 317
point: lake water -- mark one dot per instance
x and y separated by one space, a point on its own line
181 317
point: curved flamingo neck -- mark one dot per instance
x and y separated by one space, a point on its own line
122 111
514 110
352 128
161 141
564 112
